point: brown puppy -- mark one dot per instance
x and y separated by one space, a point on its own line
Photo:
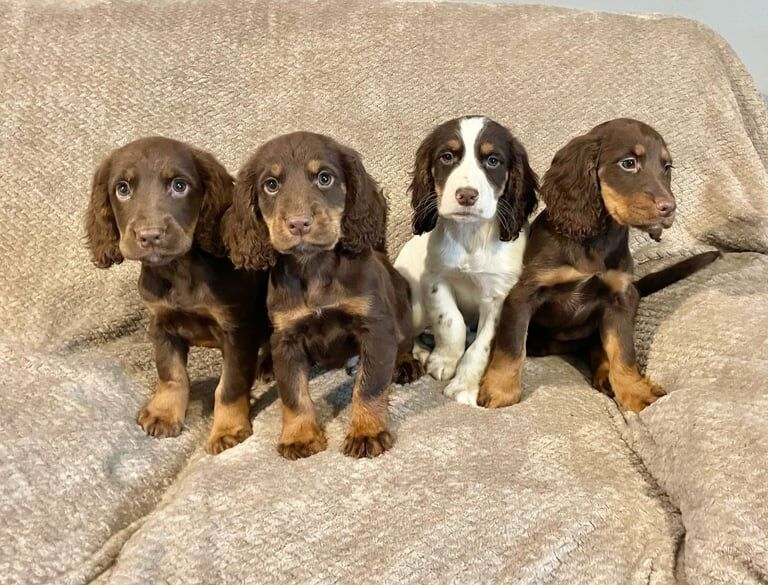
305 205
576 290
160 202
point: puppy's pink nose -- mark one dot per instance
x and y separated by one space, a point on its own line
152 236
299 225
466 196
666 207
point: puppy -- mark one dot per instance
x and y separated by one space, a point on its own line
576 290
160 202
472 193
306 206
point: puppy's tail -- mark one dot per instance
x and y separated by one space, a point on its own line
655 281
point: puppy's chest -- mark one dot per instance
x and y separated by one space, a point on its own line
491 271
188 310
313 309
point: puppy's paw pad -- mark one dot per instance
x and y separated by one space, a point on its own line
359 446
159 425
302 449
222 440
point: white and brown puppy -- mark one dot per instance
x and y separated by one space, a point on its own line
472 193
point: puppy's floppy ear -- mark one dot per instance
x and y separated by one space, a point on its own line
364 223
518 200
422 189
244 231
218 185
101 233
571 189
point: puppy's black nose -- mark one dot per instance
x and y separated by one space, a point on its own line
299 225
152 236
666 207
466 196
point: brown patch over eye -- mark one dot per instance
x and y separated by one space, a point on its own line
486 148
639 150
313 166
453 144
276 169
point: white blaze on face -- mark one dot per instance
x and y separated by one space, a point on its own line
469 174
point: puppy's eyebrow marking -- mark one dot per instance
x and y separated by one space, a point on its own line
313 166
128 174
275 169
665 155
453 143
639 149
486 148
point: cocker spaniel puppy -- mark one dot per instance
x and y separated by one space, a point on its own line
160 202
306 206
472 193
576 291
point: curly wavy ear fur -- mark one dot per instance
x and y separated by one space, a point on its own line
364 223
422 190
244 231
218 185
571 190
518 200
101 233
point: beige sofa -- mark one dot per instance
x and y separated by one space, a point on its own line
562 488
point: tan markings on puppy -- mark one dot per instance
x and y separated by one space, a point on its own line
665 154
500 385
128 174
368 435
453 144
355 306
163 415
617 280
231 424
639 150
600 370
560 275
313 166
632 390
276 169
301 436
487 148
615 204
407 369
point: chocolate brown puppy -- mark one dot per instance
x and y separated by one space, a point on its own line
306 206
160 202
576 291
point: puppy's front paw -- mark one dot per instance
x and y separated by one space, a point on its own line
221 440
160 423
498 390
305 441
359 446
441 365
462 391
407 369
635 396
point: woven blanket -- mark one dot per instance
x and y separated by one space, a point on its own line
562 488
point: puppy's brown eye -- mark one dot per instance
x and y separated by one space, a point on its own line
179 187
492 162
628 164
324 179
123 190
447 157
271 186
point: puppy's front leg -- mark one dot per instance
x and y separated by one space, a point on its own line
466 383
631 389
231 410
163 415
301 435
448 327
368 434
500 386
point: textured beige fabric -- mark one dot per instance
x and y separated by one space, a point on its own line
558 489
